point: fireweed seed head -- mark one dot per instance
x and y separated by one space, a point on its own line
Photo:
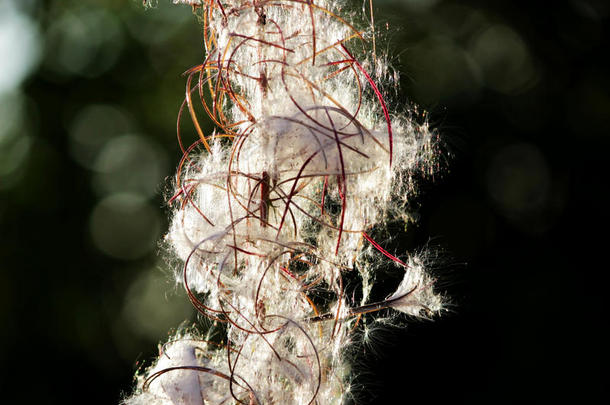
272 211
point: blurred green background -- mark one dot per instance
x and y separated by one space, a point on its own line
519 90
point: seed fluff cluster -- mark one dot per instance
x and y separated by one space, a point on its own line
276 208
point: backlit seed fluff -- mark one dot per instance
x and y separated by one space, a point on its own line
272 211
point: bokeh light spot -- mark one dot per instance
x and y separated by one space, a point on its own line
86 41
129 163
20 47
124 226
504 59
443 70
92 127
149 310
159 24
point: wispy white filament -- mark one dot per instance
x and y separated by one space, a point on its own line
275 208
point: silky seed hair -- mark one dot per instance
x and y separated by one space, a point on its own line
273 210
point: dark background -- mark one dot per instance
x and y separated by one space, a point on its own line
518 90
